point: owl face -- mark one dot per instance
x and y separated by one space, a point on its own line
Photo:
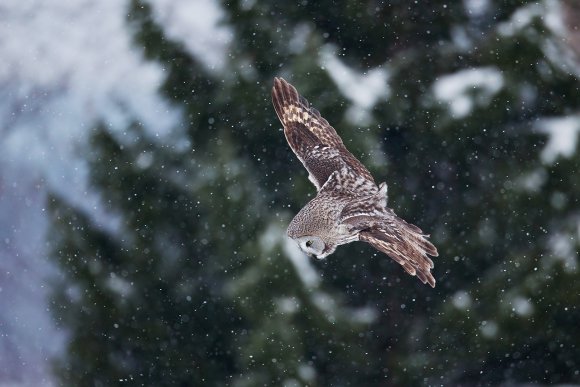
314 246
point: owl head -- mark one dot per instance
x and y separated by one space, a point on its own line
314 246
310 229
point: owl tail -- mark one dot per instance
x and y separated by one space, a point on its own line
406 244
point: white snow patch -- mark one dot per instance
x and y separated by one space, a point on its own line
533 180
563 248
560 48
246 5
120 286
326 304
291 382
299 39
476 8
29 337
467 87
363 89
78 68
553 17
558 200
548 11
365 315
461 300
520 19
65 67
198 25
562 137
288 305
306 372
302 265
555 46
522 306
273 235
489 329
461 38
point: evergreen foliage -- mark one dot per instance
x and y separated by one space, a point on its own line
194 283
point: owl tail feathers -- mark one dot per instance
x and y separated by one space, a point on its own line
405 244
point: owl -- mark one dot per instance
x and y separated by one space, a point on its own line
349 206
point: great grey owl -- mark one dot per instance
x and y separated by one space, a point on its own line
349 206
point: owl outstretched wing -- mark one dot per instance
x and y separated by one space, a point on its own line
405 243
313 140
379 226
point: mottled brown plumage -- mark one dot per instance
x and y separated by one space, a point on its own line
349 206
305 129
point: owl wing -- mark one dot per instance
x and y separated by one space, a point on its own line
405 243
313 140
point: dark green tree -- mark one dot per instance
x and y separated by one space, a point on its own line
193 283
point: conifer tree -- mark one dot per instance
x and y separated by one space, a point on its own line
195 283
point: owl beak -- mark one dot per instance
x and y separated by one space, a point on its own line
326 252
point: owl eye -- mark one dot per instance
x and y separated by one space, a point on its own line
308 243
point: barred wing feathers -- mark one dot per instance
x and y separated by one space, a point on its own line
312 139
405 244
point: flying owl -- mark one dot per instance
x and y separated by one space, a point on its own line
349 205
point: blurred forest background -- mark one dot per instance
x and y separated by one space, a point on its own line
171 264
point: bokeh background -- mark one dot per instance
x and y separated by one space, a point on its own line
145 188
